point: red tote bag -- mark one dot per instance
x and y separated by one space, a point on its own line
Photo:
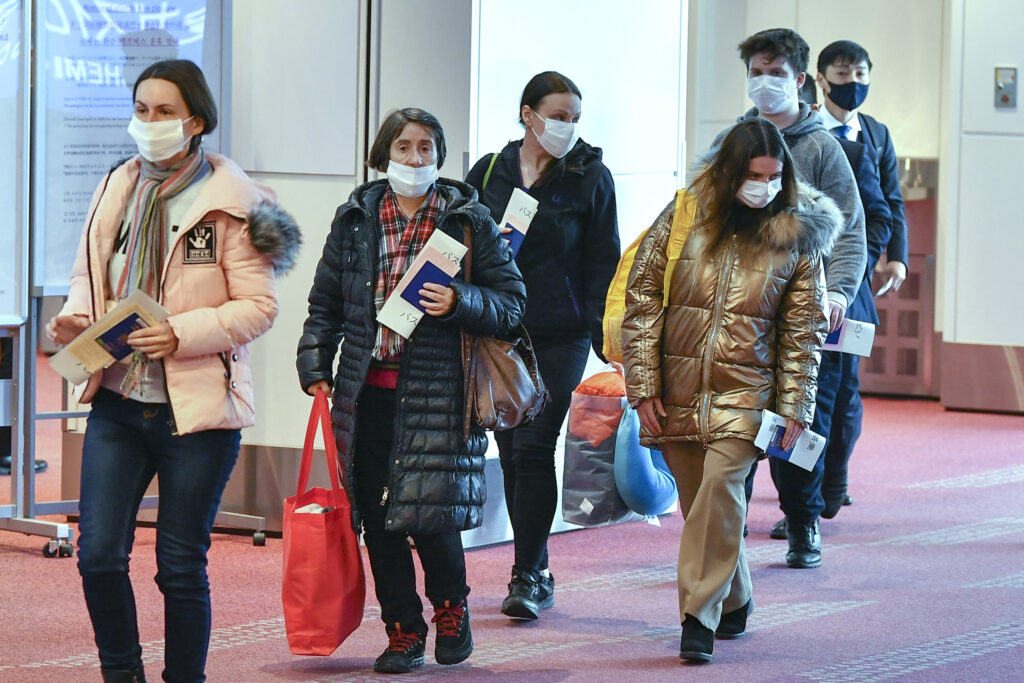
323 588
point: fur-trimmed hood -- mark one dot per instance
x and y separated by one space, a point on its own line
810 226
275 234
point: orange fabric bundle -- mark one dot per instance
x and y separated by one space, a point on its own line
596 420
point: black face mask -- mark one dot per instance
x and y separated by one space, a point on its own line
848 96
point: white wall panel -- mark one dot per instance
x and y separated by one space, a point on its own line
623 56
425 59
294 86
993 36
989 251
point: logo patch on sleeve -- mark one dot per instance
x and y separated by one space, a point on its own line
201 244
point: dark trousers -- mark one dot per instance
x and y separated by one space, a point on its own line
847 417
527 452
126 444
799 490
394 575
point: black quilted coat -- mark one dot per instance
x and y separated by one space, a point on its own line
437 477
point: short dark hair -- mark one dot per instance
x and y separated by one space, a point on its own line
844 52
784 42
542 85
192 86
394 124
808 91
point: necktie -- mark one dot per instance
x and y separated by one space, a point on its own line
841 131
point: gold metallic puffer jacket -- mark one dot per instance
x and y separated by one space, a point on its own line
743 328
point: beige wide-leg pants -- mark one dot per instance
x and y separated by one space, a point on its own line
713 573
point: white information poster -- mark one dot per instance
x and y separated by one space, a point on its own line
90 53
10 166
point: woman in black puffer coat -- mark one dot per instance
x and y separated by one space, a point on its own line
398 403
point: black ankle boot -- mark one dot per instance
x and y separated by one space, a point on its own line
804 545
124 675
734 624
697 642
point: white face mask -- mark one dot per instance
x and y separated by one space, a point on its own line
758 195
771 94
411 181
158 140
558 137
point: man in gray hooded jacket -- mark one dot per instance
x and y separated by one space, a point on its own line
776 61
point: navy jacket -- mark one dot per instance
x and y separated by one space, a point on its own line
878 223
876 136
570 253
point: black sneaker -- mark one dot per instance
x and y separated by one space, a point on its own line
403 654
454 641
734 624
697 642
528 593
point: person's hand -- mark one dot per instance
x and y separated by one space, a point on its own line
87 392
895 272
322 385
63 329
836 315
649 409
156 342
793 431
438 300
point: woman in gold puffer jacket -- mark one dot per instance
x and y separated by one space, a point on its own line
741 332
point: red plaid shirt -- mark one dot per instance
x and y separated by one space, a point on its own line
401 241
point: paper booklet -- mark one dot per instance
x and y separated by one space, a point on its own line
106 341
438 262
853 337
518 215
803 454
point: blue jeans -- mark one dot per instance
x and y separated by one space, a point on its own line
126 444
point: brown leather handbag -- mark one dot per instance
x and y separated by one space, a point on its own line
503 387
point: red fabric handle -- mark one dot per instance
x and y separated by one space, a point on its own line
321 414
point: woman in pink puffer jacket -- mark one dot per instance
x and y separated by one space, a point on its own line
196 234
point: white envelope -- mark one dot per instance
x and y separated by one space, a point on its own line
805 452
519 214
853 336
444 252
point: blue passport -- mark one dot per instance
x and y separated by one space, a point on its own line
514 239
428 273
833 337
775 448
115 340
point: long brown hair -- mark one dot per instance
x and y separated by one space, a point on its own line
718 184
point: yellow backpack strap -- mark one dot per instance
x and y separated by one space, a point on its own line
615 303
682 221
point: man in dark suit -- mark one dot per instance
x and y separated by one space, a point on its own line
841 425
844 76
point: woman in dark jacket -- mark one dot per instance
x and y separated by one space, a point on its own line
398 403
568 259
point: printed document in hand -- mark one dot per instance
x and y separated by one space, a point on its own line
853 337
769 439
518 215
438 262
105 341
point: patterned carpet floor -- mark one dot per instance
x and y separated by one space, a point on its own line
922 580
